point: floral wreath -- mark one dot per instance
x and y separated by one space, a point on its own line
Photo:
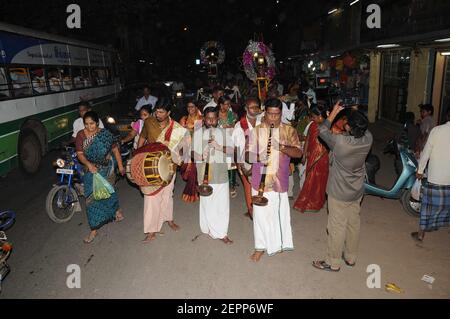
248 60
211 45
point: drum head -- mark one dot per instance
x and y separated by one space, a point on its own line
165 168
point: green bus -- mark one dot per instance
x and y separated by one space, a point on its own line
43 78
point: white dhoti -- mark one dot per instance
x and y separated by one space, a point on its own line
158 209
215 211
272 224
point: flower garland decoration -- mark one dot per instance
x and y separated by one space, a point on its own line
212 45
248 60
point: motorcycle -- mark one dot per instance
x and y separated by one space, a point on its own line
7 218
63 200
404 183
119 130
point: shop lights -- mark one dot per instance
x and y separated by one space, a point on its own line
388 46
353 2
446 53
332 11
442 40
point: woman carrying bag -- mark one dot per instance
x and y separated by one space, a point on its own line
95 149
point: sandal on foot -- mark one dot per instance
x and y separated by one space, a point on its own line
89 239
322 265
349 264
415 236
119 218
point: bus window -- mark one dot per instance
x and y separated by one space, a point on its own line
54 80
108 75
38 80
20 80
66 78
99 76
4 90
81 78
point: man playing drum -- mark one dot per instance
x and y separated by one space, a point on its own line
241 133
158 208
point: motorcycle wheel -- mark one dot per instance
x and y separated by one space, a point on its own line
57 209
411 206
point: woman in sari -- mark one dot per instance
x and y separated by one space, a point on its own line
312 194
189 170
136 127
94 148
227 120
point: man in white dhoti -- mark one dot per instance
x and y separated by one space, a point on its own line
274 147
215 208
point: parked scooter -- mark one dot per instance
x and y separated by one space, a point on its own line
7 218
402 186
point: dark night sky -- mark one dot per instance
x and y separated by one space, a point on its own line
160 23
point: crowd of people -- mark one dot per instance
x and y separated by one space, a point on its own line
264 144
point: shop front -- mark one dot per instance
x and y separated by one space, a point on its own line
441 87
395 70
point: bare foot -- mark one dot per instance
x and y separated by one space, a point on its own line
256 256
149 238
119 216
174 226
90 238
227 240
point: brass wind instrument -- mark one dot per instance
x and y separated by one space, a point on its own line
205 189
260 200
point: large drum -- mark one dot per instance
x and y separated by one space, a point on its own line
151 170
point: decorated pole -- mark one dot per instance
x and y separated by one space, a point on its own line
212 53
259 66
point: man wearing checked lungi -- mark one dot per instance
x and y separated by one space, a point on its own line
435 208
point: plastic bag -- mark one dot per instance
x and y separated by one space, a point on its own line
415 190
101 188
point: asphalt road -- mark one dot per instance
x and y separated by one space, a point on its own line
118 265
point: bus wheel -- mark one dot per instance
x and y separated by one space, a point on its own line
30 152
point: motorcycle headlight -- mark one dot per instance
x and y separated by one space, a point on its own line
60 163
110 120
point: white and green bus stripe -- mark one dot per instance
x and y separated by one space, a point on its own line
58 125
